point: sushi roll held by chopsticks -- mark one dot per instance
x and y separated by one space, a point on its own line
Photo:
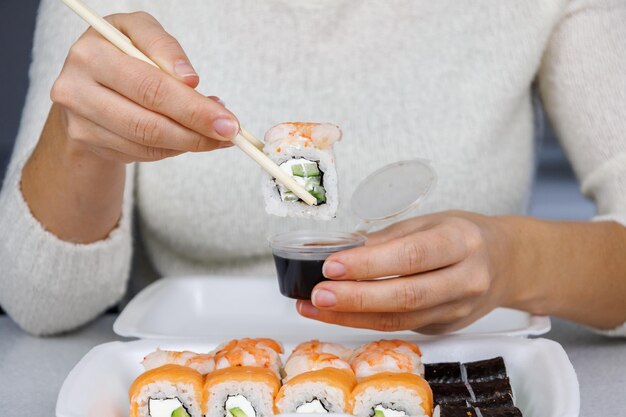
304 151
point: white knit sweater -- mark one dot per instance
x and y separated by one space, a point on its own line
445 80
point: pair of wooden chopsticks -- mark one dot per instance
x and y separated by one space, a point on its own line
244 140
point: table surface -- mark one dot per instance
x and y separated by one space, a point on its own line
32 369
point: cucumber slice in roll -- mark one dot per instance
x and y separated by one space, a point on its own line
309 169
180 412
289 196
311 182
236 412
319 193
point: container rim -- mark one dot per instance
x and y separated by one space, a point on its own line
307 242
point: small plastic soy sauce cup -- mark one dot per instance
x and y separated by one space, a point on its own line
384 197
299 257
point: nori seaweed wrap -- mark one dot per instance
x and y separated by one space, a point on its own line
501 412
497 401
451 394
486 370
454 411
480 388
490 390
445 372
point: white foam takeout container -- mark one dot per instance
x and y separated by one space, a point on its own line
220 307
198 313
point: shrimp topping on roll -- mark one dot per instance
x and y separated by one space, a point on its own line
387 356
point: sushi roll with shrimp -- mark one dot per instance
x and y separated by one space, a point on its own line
304 151
391 394
306 362
315 346
317 380
246 379
260 353
387 356
326 390
203 363
167 391
241 391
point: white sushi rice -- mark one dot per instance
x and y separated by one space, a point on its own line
296 395
396 398
312 407
326 163
259 395
162 390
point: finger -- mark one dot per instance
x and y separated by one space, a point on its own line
394 231
96 137
148 35
403 228
405 294
454 325
127 119
387 321
156 90
114 155
417 252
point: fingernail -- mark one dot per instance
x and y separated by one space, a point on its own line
323 298
184 69
333 269
217 99
307 309
226 128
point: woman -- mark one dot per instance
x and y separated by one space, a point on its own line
445 81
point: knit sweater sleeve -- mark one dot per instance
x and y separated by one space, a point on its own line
583 87
48 285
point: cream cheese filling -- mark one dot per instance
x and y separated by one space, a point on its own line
164 407
306 182
389 412
241 402
312 407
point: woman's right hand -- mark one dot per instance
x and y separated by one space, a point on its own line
110 109
125 110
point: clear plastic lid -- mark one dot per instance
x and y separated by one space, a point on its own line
393 190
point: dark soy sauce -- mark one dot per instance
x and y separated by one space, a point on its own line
297 277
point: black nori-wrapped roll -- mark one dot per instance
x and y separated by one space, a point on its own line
450 394
454 411
445 372
486 370
487 391
501 412
497 401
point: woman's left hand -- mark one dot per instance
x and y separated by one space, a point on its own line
448 271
